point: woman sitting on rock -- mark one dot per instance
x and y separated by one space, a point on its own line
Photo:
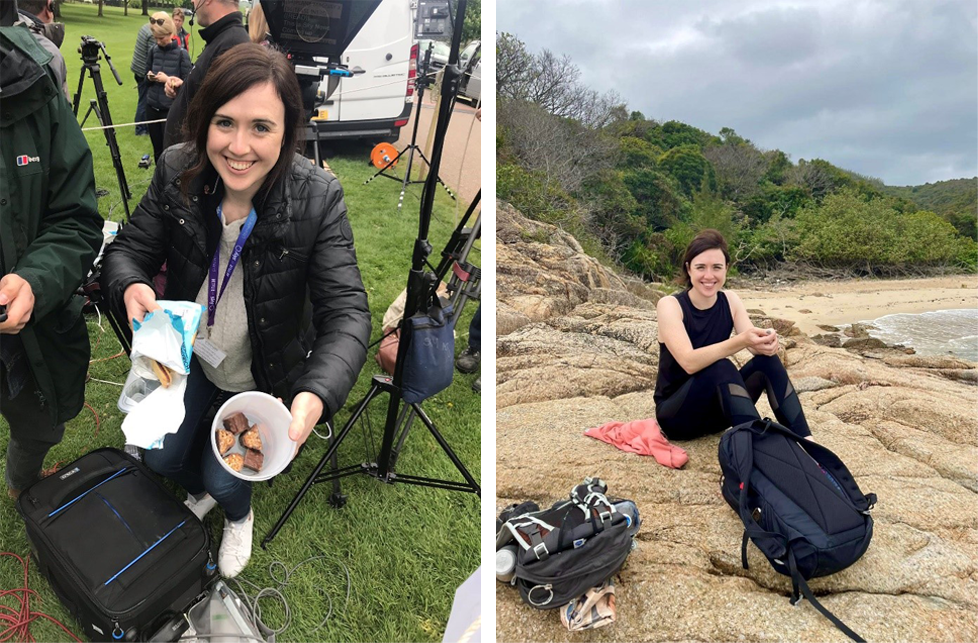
699 390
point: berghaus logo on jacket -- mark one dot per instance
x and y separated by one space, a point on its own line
23 160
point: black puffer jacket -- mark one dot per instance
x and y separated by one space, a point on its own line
302 287
172 60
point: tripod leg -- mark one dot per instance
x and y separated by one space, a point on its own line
91 108
389 165
105 118
447 449
407 178
374 390
447 189
337 500
407 413
77 100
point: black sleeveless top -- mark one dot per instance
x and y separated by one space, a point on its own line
704 327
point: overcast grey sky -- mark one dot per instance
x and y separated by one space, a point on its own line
886 88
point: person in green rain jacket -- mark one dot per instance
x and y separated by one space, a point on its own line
50 233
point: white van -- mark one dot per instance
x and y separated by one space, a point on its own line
375 104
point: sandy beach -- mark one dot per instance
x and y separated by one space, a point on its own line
811 303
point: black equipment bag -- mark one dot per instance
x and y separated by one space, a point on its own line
799 504
566 550
121 552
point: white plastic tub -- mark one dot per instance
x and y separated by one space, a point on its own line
274 420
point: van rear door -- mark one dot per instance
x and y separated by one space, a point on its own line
382 49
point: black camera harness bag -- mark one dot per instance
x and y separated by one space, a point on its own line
799 505
566 550
121 552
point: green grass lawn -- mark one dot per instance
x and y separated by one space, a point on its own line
407 548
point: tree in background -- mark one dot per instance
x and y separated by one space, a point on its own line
472 25
562 149
552 82
687 165
739 167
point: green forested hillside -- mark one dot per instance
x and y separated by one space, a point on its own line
956 200
635 190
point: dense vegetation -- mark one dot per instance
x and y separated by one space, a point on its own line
636 190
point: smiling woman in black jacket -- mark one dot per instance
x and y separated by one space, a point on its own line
289 315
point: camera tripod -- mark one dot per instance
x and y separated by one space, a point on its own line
421 82
421 287
89 50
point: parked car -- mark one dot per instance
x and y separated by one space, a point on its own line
471 62
439 53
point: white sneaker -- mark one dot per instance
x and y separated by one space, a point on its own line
200 507
235 549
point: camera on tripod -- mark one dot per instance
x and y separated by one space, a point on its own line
90 49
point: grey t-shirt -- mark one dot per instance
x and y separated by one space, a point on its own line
230 330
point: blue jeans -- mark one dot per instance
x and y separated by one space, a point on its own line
187 457
475 330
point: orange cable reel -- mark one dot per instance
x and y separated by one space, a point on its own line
382 154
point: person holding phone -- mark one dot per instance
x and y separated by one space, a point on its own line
699 390
166 60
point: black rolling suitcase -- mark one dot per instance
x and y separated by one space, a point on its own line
120 551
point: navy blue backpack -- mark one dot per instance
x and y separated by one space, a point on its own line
799 504
430 362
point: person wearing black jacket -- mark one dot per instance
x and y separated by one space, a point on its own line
223 29
166 60
260 236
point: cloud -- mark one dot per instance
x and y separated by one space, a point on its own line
886 88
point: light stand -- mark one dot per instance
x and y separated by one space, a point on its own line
89 50
421 82
421 289
465 284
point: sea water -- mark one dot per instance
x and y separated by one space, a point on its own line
942 332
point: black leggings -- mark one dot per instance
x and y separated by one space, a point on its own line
720 396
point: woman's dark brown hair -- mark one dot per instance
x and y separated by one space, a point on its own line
708 239
235 72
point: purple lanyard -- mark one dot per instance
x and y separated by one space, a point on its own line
212 295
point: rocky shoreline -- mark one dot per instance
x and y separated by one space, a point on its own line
577 346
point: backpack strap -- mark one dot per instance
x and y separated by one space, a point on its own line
528 532
743 453
797 582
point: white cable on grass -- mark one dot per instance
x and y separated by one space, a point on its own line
92 379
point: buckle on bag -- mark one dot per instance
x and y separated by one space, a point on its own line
537 549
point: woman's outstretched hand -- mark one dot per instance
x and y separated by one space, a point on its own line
139 299
306 410
760 341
